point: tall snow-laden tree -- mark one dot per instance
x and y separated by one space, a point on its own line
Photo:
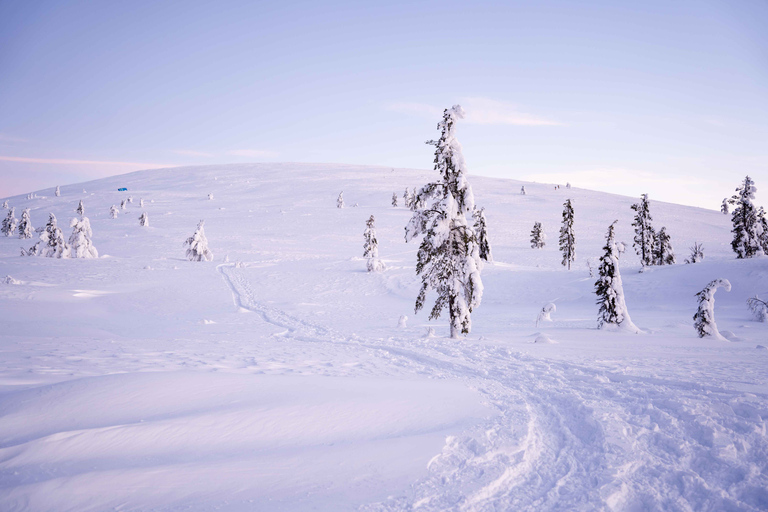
746 225
25 225
724 207
762 230
9 223
80 210
609 288
704 319
522 190
51 243
567 237
113 212
80 244
57 192
197 245
663 253
537 236
448 259
481 231
340 200
371 247
644 234
144 219
697 253
394 199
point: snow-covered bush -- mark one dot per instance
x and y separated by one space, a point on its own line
448 259
663 253
481 231
80 210
371 247
340 200
25 225
9 223
210 196
57 192
141 203
609 288
10 280
113 211
704 319
545 315
51 243
537 236
130 198
144 219
197 245
644 233
746 225
567 237
394 199
724 207
759 308
697 253
522 190
80 243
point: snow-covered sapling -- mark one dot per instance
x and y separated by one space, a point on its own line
340 200
481 231
113 211
371 247
644 233
609 288
522 190
80 210
51 243
25 225
197 245
724 207
704 319
415 204
663 253
80 243
130 198
394 199
123 204
545 315
144 219
567 237
746 224
537 236
9 223
57 192
568 185
5 205
141 203
759 308
448 259
697 253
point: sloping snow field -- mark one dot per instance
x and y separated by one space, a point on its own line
276 377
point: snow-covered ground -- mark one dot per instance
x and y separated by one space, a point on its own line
276 377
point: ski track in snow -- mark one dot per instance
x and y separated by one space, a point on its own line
563 440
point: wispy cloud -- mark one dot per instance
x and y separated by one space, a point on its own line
64 161
8 138
191 152
252 153
478 111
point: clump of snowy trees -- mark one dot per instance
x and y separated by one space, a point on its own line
567 237
197 245
538 238
448 259
704 319
9 223
609 288
371 247
653 248
51 243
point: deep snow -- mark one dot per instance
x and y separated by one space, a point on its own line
276 377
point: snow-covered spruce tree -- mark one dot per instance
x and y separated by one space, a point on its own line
371 247
123 204
141 203
197 249
522 190
448 259
567 238
609 289
80 210
144 219
394 199
568 185
762 230
745 230
5 205
80 244
537 236
697 253
9 223
57 192
415 203
704 319
25 225
51 243
724 207
340 200
644 234
481 231
113 211
663 253
407 198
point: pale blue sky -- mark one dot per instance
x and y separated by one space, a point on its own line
669 98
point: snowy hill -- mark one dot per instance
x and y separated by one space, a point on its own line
276 377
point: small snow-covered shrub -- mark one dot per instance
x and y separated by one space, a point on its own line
759 308
697 253
197 245
144 219
545 315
